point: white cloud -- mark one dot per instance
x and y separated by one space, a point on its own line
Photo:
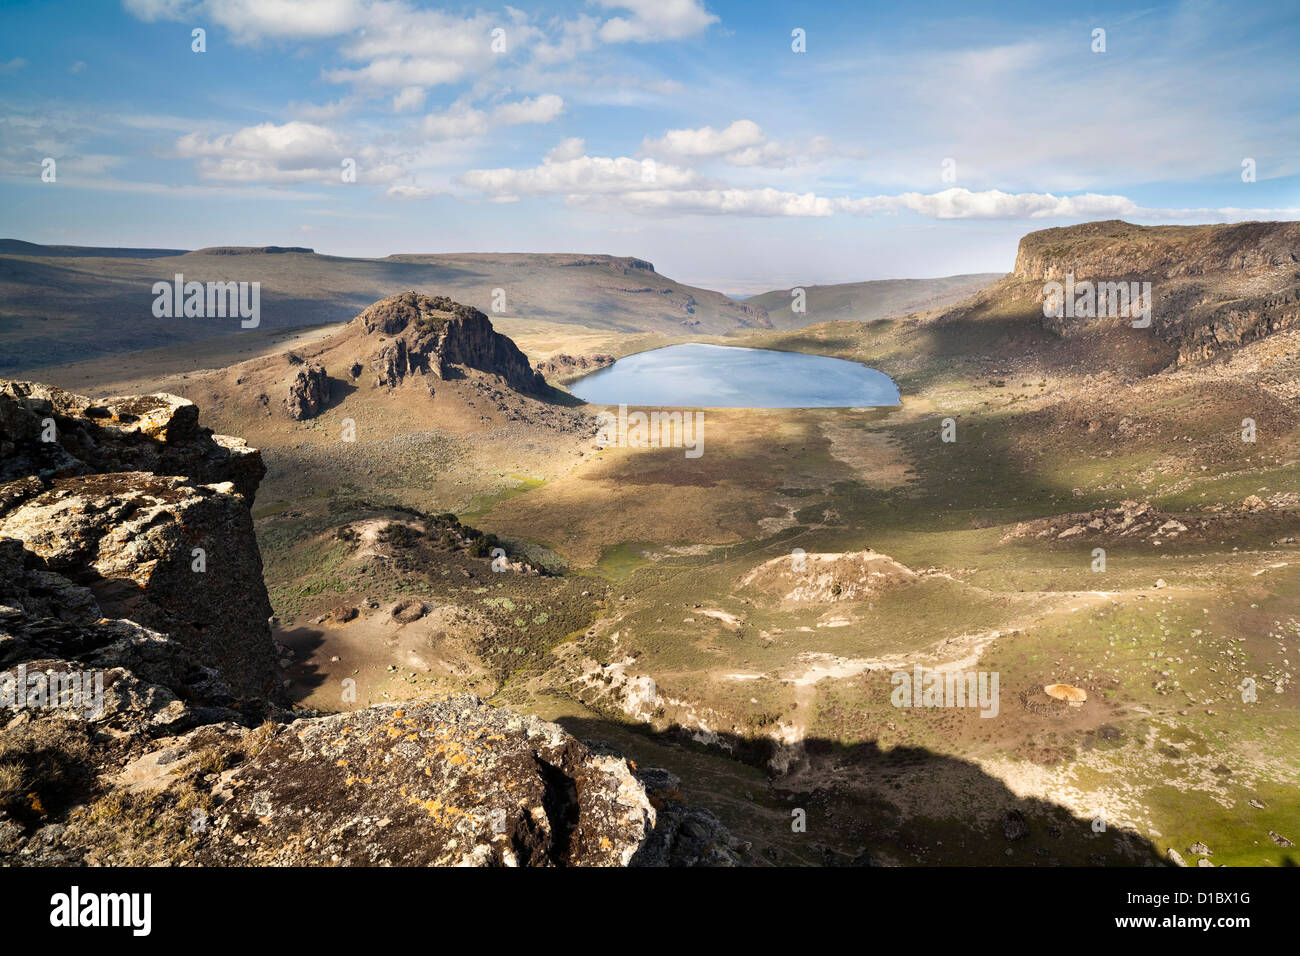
408 99
540 109
461 121
716 202
743 143
252 21
12 66
411 192
566 149
576 175
960 203
653 20
293 152
707 142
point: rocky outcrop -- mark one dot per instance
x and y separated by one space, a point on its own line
564 365
309 389
47 433
825 577
1140 520
419 335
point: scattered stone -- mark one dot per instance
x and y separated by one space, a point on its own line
1014 826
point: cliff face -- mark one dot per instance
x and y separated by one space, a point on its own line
420 335
1213 288
141 716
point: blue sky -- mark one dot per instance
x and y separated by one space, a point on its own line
687 132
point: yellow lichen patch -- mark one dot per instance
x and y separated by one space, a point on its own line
341 762
440 812
399 713
457 759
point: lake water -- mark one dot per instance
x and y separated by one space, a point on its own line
722 376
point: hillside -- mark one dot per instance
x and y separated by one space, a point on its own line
867 301
61 307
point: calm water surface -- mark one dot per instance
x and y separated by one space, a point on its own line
722 376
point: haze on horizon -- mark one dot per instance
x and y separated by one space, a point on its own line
691 133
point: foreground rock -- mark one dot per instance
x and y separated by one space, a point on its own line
452 782
141 702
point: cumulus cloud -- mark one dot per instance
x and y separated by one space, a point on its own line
252 21
564 173
651 20
743 143
293 152
461 121
567 149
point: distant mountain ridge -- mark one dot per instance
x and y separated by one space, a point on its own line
18 247
58 311
871 300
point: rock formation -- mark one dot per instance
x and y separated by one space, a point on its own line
565 365
309 390
420 335
141 705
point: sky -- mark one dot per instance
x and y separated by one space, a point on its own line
742 146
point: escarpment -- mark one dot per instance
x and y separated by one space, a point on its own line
142 711
1211 288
